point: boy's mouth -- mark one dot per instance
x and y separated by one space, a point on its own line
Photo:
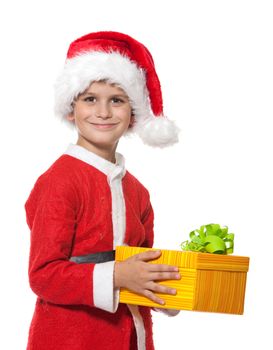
103 125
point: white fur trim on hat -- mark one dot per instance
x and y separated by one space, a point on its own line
80 71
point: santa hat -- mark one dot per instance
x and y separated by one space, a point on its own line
119 59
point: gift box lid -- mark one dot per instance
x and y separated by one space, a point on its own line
191 260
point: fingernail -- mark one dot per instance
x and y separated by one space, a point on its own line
178 276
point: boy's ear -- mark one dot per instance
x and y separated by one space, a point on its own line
132 121
70 117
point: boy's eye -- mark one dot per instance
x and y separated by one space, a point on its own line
117 100
89 99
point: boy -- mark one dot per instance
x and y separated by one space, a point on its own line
86 203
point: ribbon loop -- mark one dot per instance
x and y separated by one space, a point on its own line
211 238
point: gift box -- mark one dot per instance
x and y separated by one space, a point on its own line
209 282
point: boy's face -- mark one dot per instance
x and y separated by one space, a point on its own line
102 114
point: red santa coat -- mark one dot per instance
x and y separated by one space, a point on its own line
80 205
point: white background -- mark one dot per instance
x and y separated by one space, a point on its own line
214 60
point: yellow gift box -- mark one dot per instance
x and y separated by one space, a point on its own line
210 282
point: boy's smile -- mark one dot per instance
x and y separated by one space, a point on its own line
102 114
104 126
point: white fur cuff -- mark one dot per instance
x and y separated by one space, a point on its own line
104 295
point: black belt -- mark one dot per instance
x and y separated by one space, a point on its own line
94 258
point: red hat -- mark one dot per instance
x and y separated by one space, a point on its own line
122 60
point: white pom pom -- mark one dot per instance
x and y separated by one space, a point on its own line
158 132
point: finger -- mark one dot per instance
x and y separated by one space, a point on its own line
153 297
163 268
162 276
148 255
158 288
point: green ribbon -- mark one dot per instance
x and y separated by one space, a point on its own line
210 238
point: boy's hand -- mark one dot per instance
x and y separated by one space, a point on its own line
139 276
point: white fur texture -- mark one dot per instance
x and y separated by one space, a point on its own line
80 71
158 132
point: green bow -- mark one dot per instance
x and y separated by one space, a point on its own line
210 238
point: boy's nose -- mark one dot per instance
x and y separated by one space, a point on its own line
103 111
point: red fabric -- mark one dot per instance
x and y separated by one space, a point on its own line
69 214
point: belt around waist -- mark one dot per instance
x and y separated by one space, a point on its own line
95 258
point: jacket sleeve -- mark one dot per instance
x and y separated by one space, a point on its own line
51 215
147 220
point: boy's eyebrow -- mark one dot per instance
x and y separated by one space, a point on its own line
111 96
